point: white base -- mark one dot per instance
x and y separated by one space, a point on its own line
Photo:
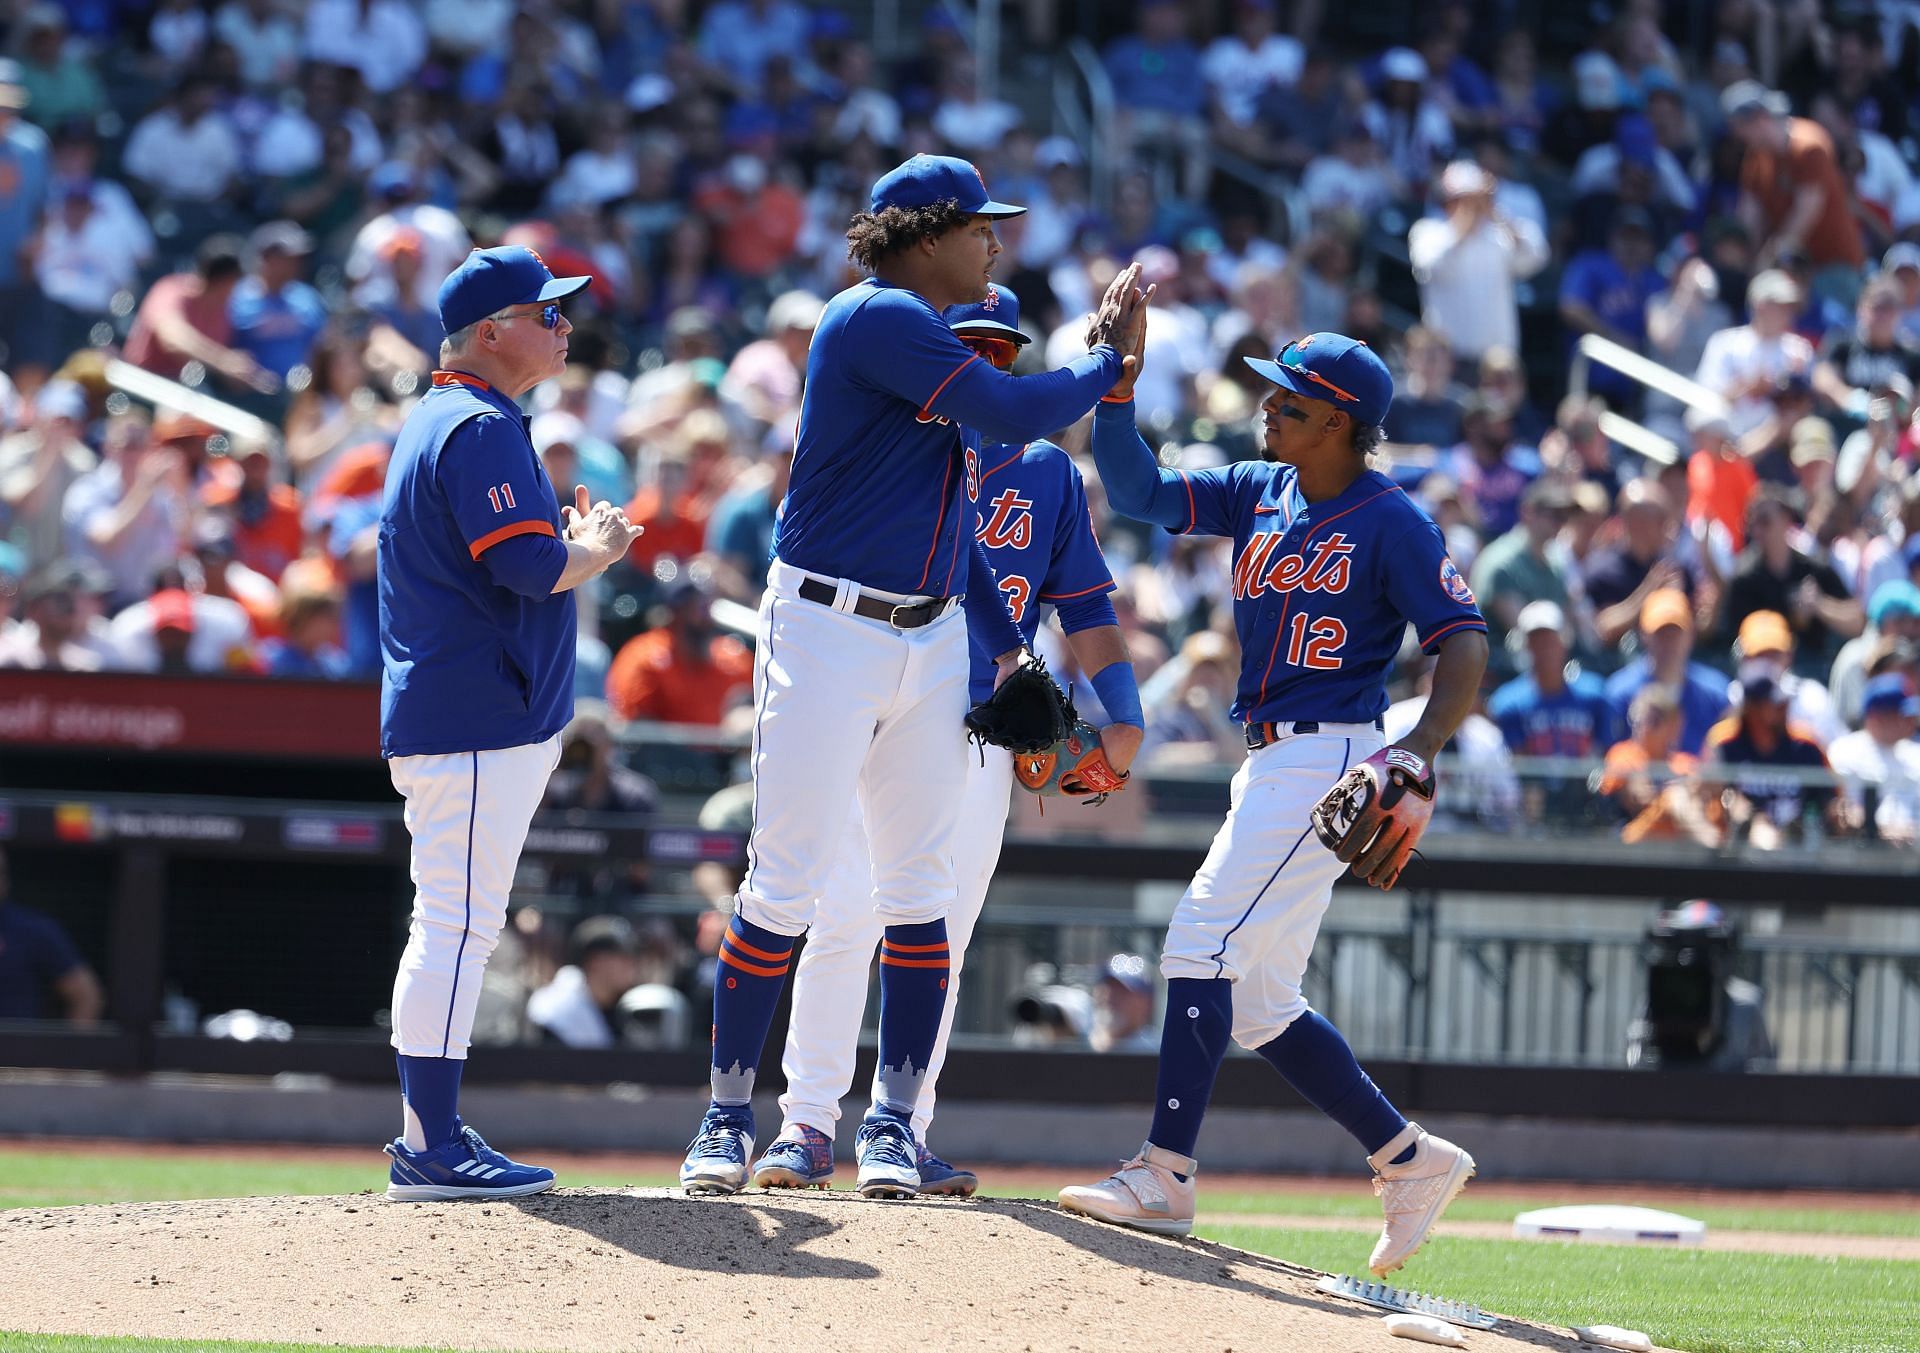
1610 1224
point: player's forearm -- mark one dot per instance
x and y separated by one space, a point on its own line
583 564
1456 686
1016 410
988 617
1102 655
1136 484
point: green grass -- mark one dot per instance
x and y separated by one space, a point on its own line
87 1343
1357 1201
1699 1300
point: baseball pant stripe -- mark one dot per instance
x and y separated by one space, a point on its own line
763 660
1219 956
466 920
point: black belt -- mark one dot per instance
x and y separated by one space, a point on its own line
901 617
1260 734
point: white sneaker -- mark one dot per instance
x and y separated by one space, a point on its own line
1143 1194
1415 1193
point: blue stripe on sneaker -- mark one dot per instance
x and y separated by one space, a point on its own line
466 918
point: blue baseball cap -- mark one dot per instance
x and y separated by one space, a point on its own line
1889 692
492 279
927 179
999 314
1343 371
1897 597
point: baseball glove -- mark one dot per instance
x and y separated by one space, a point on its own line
1374 815
1076 765
1028 714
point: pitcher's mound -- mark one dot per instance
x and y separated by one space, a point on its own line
646 1268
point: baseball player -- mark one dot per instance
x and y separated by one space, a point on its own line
860 677
477 563
1331 562
1038 532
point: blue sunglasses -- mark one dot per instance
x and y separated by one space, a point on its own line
549 315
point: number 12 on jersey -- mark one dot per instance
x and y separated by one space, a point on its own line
1321 652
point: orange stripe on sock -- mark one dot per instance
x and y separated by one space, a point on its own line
753 968
939 948
914 962
748 949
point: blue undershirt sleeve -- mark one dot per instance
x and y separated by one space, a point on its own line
1136 483
1020 409
1085 613
529 565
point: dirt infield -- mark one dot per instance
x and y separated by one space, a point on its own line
606 1269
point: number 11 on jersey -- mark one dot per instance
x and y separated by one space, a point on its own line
1321 652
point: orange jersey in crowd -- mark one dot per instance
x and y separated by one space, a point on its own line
1718 489
649 681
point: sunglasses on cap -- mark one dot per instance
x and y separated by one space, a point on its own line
549 315
1001 352
1313 376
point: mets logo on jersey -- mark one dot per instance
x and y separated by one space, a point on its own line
1453 584
1328 569
1010 524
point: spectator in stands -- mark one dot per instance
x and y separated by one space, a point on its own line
1247 64
765 376
1486 792
83 258
755 213
1188 703
26 159
1893 612
184 318
277 316
1467 262
590 776
1606 293
579 1007
738 37
1764 647
1901 262
264 513
384 40
595 463
1552 708
1412 127
293 139
310 632
220 574
1575 449
38 465
59 77
1160 92
1299 123
402 213
675 509
682 670
1774 575
130 514
1720 480
1853 366
1349 183
1645 776
186 151
1879 765
1762 775
1427 406
338 409
1820 317
1621 578
1793 194
1745 364
1491 468
1123 1007
1517 568
1503 381
42 974
264 39
740 531
179 633
344 514
1666 659
43 641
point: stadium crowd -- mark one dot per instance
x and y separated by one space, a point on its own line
258 199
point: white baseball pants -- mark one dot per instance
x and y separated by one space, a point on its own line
830 983
847 710
468 814
1253 911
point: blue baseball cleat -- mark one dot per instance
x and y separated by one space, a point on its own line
885 1148
800 1158
939 1178
465 1167
716 1160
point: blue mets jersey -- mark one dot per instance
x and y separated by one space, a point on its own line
469 665
1038 532
1322 592
882 480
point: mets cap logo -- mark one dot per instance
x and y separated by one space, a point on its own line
993 295
1453 584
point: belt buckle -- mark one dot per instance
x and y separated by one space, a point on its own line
893 617
1256 736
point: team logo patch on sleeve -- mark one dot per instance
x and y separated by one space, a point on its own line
1453 584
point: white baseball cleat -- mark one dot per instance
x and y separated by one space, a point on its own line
1415 1193
1144 1194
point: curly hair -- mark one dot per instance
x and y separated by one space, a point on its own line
875 236
1367 438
